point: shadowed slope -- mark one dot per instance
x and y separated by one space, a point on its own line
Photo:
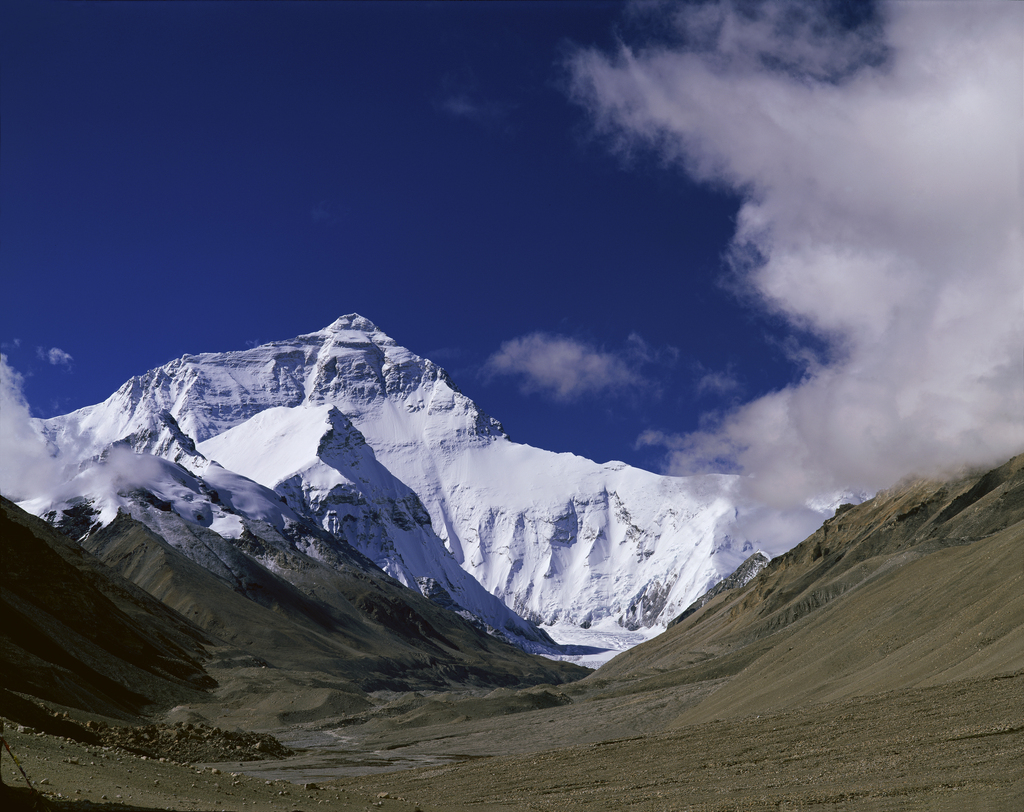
348 620
77 634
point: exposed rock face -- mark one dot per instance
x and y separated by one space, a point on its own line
744 574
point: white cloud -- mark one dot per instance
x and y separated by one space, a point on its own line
563 367
28 463
35 469
461 96
882 212
55 356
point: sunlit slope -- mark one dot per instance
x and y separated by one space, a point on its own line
922 585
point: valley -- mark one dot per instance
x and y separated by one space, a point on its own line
881 661
683 470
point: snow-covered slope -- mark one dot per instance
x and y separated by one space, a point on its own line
381 448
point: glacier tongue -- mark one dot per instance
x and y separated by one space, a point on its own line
380 447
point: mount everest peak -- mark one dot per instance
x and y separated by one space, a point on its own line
346 430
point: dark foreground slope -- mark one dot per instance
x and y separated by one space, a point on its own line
75 634
347 621
124 625
880 661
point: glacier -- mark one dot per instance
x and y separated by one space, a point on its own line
379 447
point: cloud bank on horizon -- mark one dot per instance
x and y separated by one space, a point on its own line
880 170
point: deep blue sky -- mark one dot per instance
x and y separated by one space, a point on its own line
190 177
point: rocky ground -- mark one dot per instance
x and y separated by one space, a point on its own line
70 775
958 746
955 746
186 742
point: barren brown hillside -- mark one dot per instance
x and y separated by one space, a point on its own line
922 585
882 658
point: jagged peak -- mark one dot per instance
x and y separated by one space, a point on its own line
352 321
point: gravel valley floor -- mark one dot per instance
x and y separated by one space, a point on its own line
954 746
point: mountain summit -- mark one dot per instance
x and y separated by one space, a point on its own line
379 448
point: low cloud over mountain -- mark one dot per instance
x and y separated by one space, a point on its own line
878 164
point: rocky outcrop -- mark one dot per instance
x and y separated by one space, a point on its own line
743 575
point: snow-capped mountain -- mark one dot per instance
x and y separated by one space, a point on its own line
379 447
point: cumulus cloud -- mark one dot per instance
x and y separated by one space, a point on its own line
880 170
55 356
28 463
565 368
34 469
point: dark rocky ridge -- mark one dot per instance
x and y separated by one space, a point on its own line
741 576
342 616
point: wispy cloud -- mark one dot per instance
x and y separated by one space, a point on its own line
446 355
880 171
54 355
460 96
481 111
327 212
566 368
719 383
